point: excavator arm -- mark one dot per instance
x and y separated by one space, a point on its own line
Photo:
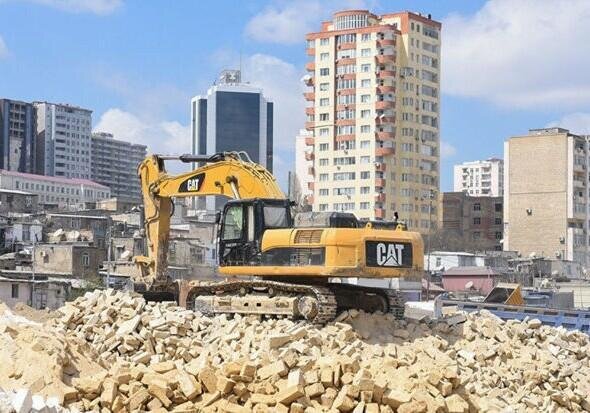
232 174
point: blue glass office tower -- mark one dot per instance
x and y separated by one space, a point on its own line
232 117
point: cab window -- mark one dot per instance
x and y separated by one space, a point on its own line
233 223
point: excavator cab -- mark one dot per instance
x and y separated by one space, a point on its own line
242 224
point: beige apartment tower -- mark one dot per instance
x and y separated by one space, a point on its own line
546 194
373 110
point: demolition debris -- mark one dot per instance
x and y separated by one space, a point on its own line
113 351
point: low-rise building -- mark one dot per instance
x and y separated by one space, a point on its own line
119 204
54 191
22 231
75 260
94 227
476 220
39 293
14 201
470 278
443 260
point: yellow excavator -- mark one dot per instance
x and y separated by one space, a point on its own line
274 263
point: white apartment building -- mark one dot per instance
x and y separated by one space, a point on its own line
373 109
63 140
64 193
480 178
304 166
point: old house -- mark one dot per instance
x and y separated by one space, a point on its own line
69 259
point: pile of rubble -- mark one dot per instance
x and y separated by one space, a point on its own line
159 357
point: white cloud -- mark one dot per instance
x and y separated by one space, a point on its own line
522 54
447 150
289 22
3 49
165 137
101 7
577 123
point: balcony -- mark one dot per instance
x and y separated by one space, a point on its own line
380 182
342 138
380 197
309 96
310 125
311 170
579 184
310 110
309 140
346 106
347 45
384 151
310 185
379 213
383 58
346 61
383 74
345 122
383 136
385 42
309 156
310 66
380 120
380 90
384 104
310 51
308 199
380 167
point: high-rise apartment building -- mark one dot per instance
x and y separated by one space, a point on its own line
480 178
17 136
546 200
232 116
303 167
373 107
114 164
63 140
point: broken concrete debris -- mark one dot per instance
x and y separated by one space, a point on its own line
121 353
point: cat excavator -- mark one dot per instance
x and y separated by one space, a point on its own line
273 263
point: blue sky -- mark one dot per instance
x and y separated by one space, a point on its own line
507 65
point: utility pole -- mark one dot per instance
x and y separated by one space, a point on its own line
33 272
109 247
428 277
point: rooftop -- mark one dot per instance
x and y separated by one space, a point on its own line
15 191
463 271
57 179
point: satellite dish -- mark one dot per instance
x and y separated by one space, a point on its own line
306 78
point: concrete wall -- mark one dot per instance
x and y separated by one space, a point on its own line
18 202
537 181
457 283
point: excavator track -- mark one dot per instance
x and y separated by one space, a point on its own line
318 303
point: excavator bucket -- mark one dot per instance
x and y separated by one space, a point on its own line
505 293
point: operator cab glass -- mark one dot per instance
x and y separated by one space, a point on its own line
243 224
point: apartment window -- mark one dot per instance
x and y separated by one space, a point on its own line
324 116
365 129
343 191
365 98
323 207
345 160
346 145
324 192
476 235
366 83
365 190
324 146
477 221
324 56
498 221
324 41
344 206
365 52
365 205
324 86
365 174
344 176
365 159
324 132
14 291
324 71
365 144
498 207
324 162
498 235
365 68
477 206
324 102
86 260
412 25
366 113
365 37
324 177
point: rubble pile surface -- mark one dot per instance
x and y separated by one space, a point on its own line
114 351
